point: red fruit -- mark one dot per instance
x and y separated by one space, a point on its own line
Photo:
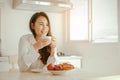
57 67
50 67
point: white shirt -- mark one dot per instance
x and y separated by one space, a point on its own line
28 58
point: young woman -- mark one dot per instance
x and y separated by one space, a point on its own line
34 51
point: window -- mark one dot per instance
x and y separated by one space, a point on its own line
79 20
94 20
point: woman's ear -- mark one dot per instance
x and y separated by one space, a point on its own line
32 25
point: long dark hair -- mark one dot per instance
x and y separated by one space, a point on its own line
44 52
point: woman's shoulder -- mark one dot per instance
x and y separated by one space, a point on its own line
26 36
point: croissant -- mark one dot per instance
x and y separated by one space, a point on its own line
67 66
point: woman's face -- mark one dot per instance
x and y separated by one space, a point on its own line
41 26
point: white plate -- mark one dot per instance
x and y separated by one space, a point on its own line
58 72
37 70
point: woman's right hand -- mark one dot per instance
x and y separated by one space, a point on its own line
40 43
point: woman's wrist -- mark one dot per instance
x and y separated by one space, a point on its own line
52 52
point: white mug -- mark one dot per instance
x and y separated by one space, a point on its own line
46 37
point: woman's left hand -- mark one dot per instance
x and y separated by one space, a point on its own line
53 45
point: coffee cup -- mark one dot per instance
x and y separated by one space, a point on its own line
46 37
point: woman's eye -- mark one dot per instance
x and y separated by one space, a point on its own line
40 24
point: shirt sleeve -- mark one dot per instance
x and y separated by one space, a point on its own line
53 59
27 54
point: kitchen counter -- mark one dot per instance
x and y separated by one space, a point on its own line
71 75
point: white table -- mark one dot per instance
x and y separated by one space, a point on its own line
72 75
16 75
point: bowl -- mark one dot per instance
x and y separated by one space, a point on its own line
56 72
59 72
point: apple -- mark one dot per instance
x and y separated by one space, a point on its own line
50 67
57 67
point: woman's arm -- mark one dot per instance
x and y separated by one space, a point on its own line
54 58
53 54
27 54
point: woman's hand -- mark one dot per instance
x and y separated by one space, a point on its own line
40 43
53 45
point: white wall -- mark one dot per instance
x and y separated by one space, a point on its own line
15 23
102 59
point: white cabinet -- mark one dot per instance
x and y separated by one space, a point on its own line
43 5
4 64
74 60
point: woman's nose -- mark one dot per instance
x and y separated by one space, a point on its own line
44 28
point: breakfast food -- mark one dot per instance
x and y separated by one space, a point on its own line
67 66
63 66
50 67
54 67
